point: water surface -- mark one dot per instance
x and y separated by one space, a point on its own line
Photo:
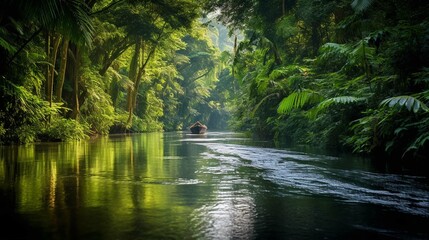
213 186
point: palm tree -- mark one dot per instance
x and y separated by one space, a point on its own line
70 18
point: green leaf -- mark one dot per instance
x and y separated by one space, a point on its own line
337 100
389 145
399 130
5 45
298 100
416 107
393 102
411 103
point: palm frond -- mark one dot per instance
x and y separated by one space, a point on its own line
328 102
418 143
334 47
338 100
75 22
121 79
298 100
422 76
411 103
283 72
7 46
262 84
333 54
361 52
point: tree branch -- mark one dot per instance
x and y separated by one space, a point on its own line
113 3
24 45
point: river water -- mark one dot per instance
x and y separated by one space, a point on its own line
215 186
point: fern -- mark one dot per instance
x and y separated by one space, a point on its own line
422 76
7 46
286 71
298 100
411 103
361 52
418 144
328 102
334 48
262 83
341 100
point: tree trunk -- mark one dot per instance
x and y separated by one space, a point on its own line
139 76
315 38
48 54
75 79
109 58
57 41
106 66
136 72
133 77
63 67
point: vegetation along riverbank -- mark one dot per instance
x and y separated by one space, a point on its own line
345 75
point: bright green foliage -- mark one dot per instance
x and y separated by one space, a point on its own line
62 129
342 74
196 77
25 118
298 99
325 104
112 66
97 109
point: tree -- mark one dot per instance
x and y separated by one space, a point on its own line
316 72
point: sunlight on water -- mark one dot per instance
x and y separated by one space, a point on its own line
211 186
231 214
304 175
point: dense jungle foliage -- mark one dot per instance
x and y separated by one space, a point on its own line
342 75
345 75
71 69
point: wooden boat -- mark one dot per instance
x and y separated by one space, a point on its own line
198 128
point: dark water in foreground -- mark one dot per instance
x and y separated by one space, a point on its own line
216 186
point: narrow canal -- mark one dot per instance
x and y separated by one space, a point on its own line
215 186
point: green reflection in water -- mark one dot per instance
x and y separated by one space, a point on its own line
217 186
114 187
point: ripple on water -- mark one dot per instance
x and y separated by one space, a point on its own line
306 175
230 215
146 180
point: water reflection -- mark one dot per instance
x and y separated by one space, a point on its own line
231 212
181 186
229 217
310 174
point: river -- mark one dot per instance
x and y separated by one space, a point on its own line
220 185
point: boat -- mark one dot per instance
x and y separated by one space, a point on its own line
198 128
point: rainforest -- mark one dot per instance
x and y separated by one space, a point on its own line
342 75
